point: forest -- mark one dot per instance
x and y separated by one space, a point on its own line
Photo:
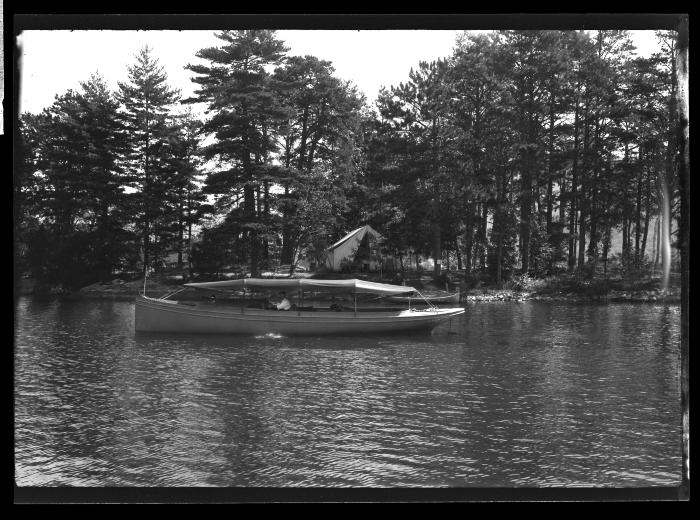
523 153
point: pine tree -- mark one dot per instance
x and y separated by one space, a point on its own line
417 113
77 187
245 115
186 197
146 105
323 120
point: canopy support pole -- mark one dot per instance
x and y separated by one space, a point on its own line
172 293
432 307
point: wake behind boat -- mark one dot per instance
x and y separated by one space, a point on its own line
316 316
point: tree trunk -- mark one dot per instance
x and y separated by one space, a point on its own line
525 213
629 237
468 236
180 241
594 209
606 248
656 243
249 207
584 201
562 201
437 251
499 261
638 215
573 208
624 238
647 215
435 230
156 247
582 235
498 227
482 235
302 138
550 165
286 253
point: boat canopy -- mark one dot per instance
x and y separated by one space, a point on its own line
353 285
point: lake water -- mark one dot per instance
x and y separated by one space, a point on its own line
508 395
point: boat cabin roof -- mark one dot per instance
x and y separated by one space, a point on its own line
353 285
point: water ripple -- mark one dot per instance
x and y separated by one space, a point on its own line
521 395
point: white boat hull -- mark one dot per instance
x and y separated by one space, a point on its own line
154 315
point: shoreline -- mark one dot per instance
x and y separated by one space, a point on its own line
129 290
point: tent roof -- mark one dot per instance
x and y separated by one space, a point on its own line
352 285
352 234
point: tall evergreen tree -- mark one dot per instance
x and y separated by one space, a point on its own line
323 118
477 80
418 113
77 187
245 115
147 102
186 195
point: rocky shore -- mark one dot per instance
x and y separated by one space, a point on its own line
671 296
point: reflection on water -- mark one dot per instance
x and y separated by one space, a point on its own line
507 395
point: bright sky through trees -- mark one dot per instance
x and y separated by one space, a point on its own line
55 61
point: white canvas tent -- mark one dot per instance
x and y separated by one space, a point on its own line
346 248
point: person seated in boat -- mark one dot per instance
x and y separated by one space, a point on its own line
283 305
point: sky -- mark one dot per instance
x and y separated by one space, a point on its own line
54 61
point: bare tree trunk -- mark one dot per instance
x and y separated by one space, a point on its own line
435 230
582 236
180 240
550 165
624 238
645 233
249 204
468 236
498 227
594 212
606 248
584 201
573 208
525 213
482 235
638 215
437 251
656 243
562 201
